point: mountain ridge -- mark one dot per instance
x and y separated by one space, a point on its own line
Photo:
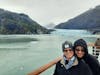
19 23
87 20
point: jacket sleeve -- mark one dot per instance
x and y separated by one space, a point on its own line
98 72
55 71
88 71
93 63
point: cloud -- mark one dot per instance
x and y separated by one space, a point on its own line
45 11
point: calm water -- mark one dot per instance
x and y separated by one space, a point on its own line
20 54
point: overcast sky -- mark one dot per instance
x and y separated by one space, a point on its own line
49 11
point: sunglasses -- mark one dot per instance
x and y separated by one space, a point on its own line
70 50
82 50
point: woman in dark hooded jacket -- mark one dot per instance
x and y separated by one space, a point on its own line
81 51
70 65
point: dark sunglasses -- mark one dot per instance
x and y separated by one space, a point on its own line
68 50
79 50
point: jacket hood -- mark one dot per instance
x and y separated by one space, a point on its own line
81 42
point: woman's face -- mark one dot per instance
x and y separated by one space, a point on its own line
68 52
79 51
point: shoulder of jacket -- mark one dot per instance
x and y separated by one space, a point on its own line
91 59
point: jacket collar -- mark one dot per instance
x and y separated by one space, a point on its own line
74 64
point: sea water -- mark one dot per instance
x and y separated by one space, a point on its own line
21 54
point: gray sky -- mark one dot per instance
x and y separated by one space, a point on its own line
49 11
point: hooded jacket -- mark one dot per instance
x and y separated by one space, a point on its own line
82 43
88 58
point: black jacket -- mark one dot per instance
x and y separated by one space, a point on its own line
81 68
93 64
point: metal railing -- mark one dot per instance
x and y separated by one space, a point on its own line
96 51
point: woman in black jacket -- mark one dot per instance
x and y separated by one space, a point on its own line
81 51
70 65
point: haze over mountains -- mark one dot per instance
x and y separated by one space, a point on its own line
87 20
50 26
